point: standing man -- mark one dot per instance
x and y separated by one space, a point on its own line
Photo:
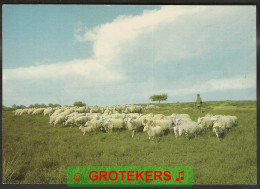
198 102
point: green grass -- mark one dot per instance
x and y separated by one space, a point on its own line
35 152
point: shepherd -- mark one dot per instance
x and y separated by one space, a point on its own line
198 103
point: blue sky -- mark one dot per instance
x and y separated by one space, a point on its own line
105 55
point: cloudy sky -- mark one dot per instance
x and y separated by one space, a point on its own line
105 55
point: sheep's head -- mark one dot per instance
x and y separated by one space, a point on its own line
199 120
107 122
87 123
178 121
146 128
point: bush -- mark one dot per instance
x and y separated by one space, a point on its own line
79 104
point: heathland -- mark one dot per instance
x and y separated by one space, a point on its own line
36 152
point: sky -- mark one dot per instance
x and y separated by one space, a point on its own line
109 55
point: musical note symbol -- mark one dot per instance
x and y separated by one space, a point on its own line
182 172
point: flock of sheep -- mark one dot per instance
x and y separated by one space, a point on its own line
93 118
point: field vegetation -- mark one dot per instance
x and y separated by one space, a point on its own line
36 152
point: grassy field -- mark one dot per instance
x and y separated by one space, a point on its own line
35 152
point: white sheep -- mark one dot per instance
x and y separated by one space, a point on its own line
38 111
30 110
86 129
186 126
153 132
205 122
58 111
95 123
47 111
217 129
133 125
165 124
179 116
111 124
81 109
222 123
81 120
59 120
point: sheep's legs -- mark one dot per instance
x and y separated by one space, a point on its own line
133 133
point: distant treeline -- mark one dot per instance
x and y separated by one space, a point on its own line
14 106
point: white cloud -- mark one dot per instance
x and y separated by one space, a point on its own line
113 39
126 49
86 69
245 81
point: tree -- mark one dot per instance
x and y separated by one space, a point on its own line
21 107
50 105
57 105
161 97
79 104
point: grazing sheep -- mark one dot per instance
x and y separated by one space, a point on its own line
81 109
81 120
86 129
38 111
179 116
133 125
116 116
18 111
217 129
70 121
158 116
190 128
163 123
111 124
58 111
59 120
95 123
153 132
205 122
47 111
150 107
222 123
30 110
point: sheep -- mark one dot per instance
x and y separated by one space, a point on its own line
38 111
86 129
52 118
70 121
24 111
153 132
150 107
111 124
81 120
158 116
217 129
205 122
133 125
116 116
186 126
30 110
18 111
71 118
67 112
59 120
95 123
72 114
58 111
81 109
163 123
179 116
47 111
222 123
132 115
